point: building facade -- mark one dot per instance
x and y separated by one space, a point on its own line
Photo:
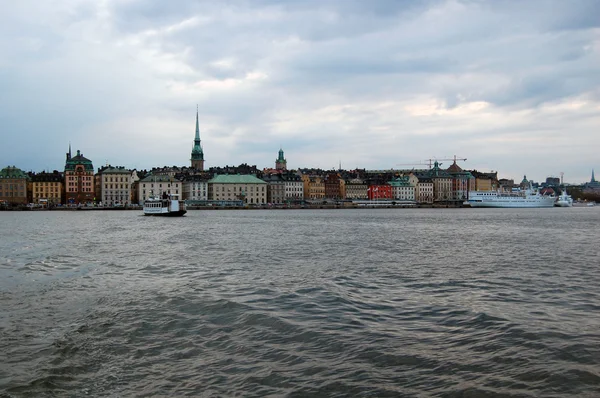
47 188
294 187
333 186
356 189
156 185
116 184
13 186
314 187
79 179
275 188
404 188
232 187
424 190
379 192
195 187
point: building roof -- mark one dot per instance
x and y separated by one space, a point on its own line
116 170
454 168
13 172
159 178
235 179
402 181
79 159
47 177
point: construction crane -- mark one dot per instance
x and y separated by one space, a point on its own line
429 162
454 159
413 164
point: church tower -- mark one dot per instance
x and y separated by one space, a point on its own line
281 163
197 153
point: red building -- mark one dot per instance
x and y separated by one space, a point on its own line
379 192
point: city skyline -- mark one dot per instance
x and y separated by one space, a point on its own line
513 87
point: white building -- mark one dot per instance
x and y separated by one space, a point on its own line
116 186
156 185
294 187
195 188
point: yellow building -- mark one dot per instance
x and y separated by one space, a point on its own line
47 188
314 187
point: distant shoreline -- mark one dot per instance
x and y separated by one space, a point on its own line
270 208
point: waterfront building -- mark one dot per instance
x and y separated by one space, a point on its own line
334 186
195 187
379 192
442 183
115 186
79 179
197 152
281 163
237 187
424 191
460 182
275 188
13 186
356 189
293 187
484 181
47 188
156 185
314 187
404 187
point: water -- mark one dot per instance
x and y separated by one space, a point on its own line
369 302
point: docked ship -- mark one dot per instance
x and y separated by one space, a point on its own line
167 206
564 200
509 199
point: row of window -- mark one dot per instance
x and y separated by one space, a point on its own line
117 179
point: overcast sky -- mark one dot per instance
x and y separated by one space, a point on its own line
513 86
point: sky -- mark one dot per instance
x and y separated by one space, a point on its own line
512 86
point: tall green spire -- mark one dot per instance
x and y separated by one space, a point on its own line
197 152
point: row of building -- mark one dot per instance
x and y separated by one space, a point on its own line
118 186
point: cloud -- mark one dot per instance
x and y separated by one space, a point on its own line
512 86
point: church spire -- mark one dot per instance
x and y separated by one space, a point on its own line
281 163
197 140
197 152
593 178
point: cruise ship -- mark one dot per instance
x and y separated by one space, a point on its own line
527 198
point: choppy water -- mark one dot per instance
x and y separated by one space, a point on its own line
371 302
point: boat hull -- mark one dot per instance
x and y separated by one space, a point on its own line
178 213
561 203
510 204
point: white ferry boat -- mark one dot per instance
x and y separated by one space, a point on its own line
167 206
527 198
564 200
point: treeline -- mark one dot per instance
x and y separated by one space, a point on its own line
579 194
